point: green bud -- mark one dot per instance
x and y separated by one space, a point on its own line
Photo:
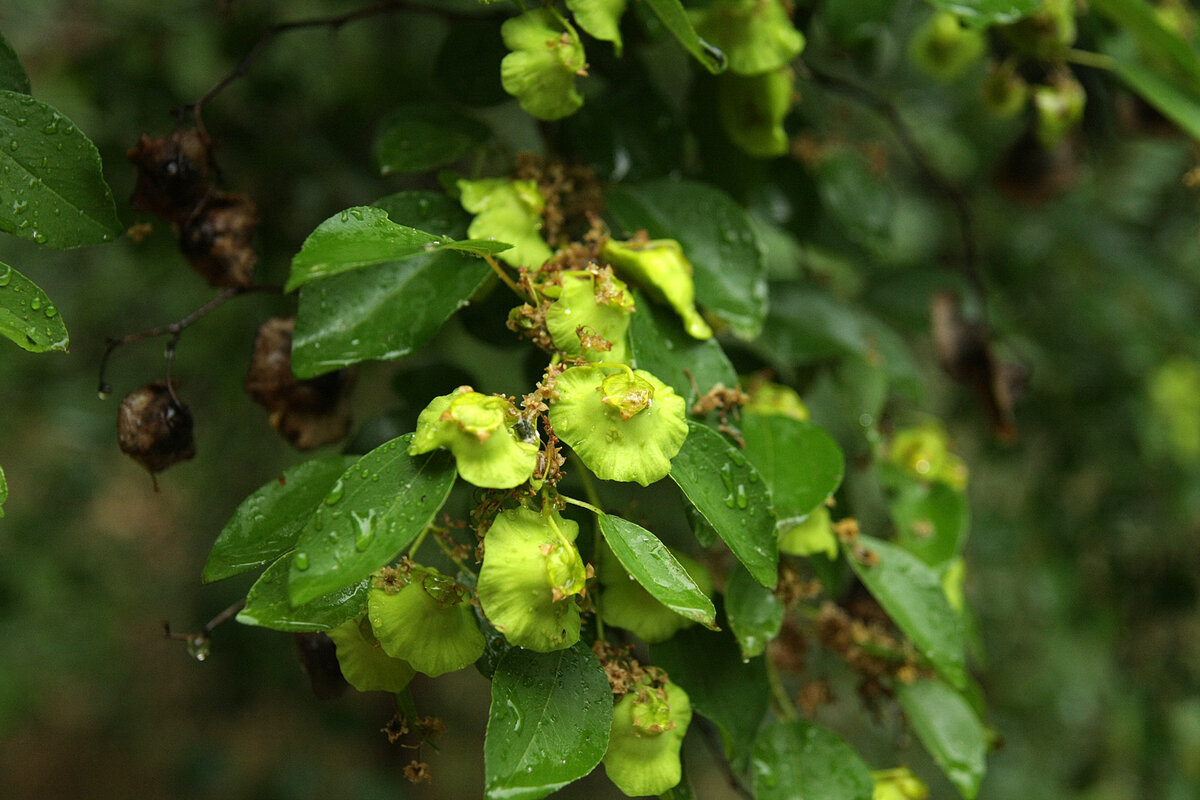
530 571
1059 109
752 109
479 430
626 603
659 267
812 536
756 36
643 745
943 48
547 57
924 452
775 398
508 211
624 426
428 623
590 306
364 664
1005 93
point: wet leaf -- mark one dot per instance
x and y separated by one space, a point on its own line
268 522
548 724
662 347
650 563
981 13
931 519
677 21
727 490
52 189
948 727
801 463
27 316
267 603
371 513
422 136
755 614
800 760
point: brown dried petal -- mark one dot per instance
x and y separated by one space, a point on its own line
153 429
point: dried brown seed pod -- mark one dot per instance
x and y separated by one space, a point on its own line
153 429
308 413
216 240
174 174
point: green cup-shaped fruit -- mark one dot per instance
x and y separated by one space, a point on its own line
428 623
1059 109
1004 92
752 109
546 57
508 211
530 572
812 536
756 36
591 305
626 604
898 784
626 425
943 48
775 398
660 268
643 746
364 664
479 430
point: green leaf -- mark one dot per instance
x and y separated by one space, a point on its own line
12 74
1139 18
801 463
373 511
662 347
364 236
911 593
548 724
390 310
807 325
27 316
267 523
3 491
650 563
951 732
1173 101
600 18
800 760
727 490
677 21
422 136
723 687
981 13
267 603
717 238
755 614
52 188
931 520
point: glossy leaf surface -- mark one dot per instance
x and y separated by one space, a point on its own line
27 316
931 520
373 511
911 593
677 21
727 490
755 614
801 463
423 136
800 760
52 188
982 13
268 522
650 563
548 724
949 729
717 238
267 603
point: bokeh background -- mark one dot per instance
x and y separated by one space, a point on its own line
1084 553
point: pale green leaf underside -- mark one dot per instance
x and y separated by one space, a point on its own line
267 603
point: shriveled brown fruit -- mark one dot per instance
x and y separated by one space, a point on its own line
153 429
216 240
308 413
174 174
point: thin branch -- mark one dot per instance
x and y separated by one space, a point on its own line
199 643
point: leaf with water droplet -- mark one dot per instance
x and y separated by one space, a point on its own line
268 522
422 136
548 724
754 612
706 472
795 754
661 346
62 169
949 729
267 603
17 293
677 21
394 510
799 461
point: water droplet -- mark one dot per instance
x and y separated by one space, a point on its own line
36 303
21 122
336 493
740 494
14 145
737 458
51 127
366 530
301 561
6 273
199 647
357 214
729 501
39 237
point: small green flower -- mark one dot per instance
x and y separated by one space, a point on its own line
626 425
756 35
364 664
479 430
752 109
547 57
507 211
643 746
591 305
813 535
530 571
1059 109
428 623
659 267
943 48
924 452
600 18
626 603
774 398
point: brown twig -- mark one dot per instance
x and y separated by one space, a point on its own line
198 643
